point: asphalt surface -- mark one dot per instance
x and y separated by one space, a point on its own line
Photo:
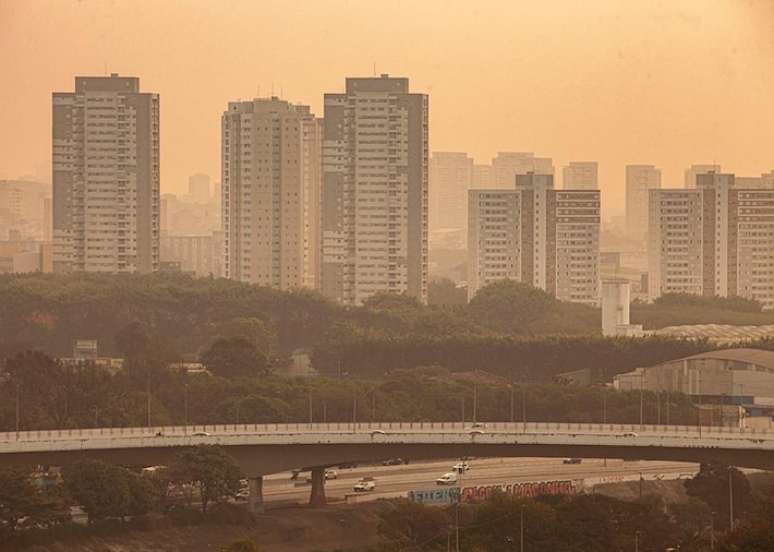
394 480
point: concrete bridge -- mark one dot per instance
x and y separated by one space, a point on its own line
262 449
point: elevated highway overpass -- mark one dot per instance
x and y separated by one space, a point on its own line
262 449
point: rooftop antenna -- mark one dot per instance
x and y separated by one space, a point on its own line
374 68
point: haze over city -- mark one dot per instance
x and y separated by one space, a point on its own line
362 276
668 83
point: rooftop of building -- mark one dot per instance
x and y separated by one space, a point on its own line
758 357
718 331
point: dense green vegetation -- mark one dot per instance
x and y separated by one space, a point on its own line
586 523
56 396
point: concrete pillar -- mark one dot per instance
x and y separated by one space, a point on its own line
255 498
317 498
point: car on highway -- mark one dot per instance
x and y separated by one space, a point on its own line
347 465
365 484
461 467
629 434
200 434
447 479
572 461
394 462
479 425
329 474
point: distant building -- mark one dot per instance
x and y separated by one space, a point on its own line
23 209
712 240
741 377
534 234
196 254
451 176
482 177
694 171
23 256
580 175
640 179
85 349
506 165
271 193
615 310
199 188
106 176
375 199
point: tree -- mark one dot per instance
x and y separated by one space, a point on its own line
255 330
212 469
104 490
21 500
510 307
412 527
443 291
755 536
711 486
234 357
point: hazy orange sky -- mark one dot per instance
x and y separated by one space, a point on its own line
665 82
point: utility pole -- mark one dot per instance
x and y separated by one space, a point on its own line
354 411
524 405
475 403
18 408
148 399
96 416
731 497
462 408
185 407
325 412
373 405
511 389
521 530
642 398
310 407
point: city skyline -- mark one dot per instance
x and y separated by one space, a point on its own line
629 100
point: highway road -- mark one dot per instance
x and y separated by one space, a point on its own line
395 480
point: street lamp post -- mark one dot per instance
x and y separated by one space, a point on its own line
731 497
511 390
185 407
475 403
18 408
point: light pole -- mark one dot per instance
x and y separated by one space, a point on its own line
511 390
185 407
148 400
18 408
96 416
642 397
475 403
310 407
731 497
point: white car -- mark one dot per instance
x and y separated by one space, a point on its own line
201 434
329 474
629 434
461 467
447 479
364 485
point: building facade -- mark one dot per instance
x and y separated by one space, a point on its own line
451 176
375 191
538 235
713 240
270 193
640 179
580 175
106 176
196 254
507 164
692 172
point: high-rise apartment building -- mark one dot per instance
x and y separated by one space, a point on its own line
580 175
375 190
640 179
538 235
713 240
199 188
271 193
451 176
106 176
506 165
482 177
693 171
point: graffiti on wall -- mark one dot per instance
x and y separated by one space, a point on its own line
529 489
435 496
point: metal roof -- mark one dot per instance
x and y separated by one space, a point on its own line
718 331
759 357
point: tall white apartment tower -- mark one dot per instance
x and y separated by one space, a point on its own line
105 147
580 175
507 164
534 234
271 174
375 190
714 240
640 179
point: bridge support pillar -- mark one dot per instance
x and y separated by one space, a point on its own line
317 497
255 496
